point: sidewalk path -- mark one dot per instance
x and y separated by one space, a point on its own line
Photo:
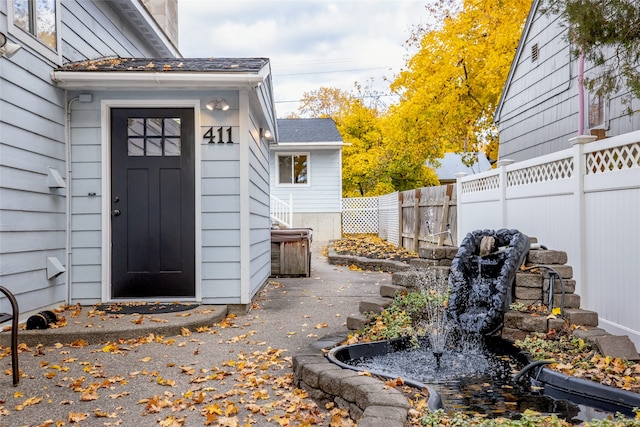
200 369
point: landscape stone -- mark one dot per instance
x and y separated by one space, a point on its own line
422 263
569 286
386 412
617 346
576 316
375 305
350 386
390 291
331 381
546 257
529 280
432 252
369 395
357 321
589 334
311 373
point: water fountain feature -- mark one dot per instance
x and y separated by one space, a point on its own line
468 368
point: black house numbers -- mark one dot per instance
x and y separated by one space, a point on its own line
219 134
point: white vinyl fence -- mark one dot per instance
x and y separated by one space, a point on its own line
388 218
585 201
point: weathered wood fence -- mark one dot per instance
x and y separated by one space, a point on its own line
412 219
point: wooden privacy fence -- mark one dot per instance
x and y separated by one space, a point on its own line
412 219
428 217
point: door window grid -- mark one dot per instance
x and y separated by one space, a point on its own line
153 136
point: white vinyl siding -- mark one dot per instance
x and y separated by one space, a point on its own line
32 139
324 193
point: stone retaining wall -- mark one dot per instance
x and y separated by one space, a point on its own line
369 401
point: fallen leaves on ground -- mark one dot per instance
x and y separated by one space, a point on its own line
245 388
371 246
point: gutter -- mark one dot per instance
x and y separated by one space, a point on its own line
151 80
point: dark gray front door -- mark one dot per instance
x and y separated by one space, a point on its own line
152 203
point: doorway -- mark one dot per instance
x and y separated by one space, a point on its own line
152 203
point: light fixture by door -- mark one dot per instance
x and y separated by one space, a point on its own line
266 134
217 104
7 48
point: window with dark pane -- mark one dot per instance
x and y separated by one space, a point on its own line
154 137
292 169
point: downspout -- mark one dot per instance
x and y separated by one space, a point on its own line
581 94
69 192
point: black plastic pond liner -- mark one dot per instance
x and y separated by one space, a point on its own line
481 284
586 392
553 384
342 354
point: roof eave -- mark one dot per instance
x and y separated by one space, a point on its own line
148 79
514 63
138 16
332 145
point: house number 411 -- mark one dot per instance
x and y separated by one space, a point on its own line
220 135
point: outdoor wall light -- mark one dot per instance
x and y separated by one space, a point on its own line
217 104
266 134
7 48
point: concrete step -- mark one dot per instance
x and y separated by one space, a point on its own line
374 305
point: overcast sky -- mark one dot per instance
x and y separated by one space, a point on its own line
310 43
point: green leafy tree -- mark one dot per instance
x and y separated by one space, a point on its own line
608 34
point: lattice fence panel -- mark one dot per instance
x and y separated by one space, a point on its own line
482 184
360 215
552 171
613 159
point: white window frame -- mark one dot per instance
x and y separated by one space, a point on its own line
27 39
289 154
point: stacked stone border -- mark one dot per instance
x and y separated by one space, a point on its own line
368 400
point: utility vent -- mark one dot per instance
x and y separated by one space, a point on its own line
534 52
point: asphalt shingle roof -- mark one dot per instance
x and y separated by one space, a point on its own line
226 65
452 163
308 130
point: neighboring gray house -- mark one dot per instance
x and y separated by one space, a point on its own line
453 163
126 171
539 108
306 167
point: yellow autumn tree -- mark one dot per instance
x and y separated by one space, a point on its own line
451 86
358 124
326 102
